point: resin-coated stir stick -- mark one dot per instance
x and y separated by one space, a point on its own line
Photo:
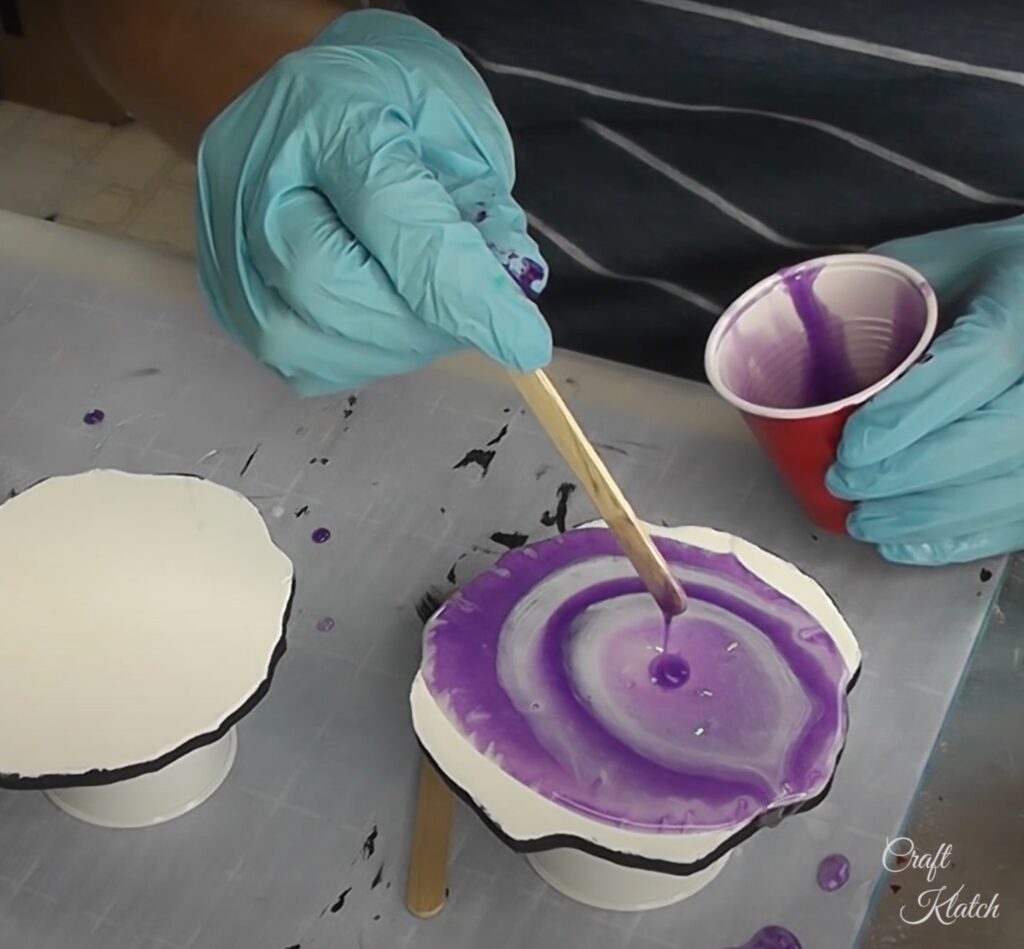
563 429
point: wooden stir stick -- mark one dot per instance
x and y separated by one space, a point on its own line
428 865
560 424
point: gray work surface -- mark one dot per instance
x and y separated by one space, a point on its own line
329 755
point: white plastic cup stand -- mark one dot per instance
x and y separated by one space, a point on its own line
152 798
605 885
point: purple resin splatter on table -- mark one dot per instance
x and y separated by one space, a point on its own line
326 624
772 937
830 374
94 417
321 535
753 717
833 872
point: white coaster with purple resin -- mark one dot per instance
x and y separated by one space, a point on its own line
629 762
141 616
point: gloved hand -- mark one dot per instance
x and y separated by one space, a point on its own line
937 460
355 214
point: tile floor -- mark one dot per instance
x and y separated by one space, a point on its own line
120 180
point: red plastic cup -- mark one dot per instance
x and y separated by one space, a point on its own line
802 349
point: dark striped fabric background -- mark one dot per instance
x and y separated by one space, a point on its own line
670 153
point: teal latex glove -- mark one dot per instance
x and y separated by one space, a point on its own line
355 216
937 460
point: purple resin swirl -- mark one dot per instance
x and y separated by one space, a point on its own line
544 664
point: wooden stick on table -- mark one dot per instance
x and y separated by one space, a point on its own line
428 867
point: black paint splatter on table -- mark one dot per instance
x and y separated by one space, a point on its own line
427 606
378 878
248 461
481 457
352 400
511 540
370 844
340 901
985 575
557 518
497 438
302 510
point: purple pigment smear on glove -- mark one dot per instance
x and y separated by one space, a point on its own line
556 687
524 270
830 374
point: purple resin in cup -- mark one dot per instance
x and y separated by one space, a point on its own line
545 665
802 349
823 333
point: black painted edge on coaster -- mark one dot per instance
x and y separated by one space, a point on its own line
101 776
769 818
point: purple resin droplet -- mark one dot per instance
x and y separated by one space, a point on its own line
94 417
321 535
326 624
772 937
833 873
669 671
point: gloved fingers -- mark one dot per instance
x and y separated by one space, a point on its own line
315 363
502 224
979 446
947 258
437 262
967 367
966 548
954 511
306 255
